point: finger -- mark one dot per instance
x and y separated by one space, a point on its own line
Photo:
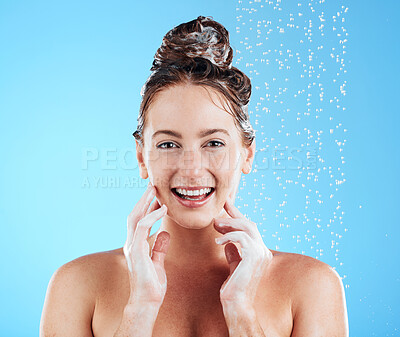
159 251
154 206
128 260
143 227
144 202
138 212
160 247
240 237
232 256
232 210
226 225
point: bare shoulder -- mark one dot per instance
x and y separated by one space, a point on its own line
317 295
302 273
72 292
302 265
88 271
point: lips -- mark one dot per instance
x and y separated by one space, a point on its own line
194 201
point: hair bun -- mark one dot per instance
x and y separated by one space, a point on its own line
202 37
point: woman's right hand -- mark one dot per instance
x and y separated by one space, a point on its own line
148 281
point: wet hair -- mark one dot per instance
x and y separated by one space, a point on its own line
198 52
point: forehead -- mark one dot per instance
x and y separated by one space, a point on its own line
188 108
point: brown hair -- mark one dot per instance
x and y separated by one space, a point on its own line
198 52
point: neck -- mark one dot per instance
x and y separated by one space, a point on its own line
194 248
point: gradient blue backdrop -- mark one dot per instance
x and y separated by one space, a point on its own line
70 77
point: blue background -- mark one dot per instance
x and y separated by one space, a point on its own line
70 80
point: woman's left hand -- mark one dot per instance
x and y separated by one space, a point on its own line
247 270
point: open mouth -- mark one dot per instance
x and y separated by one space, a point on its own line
196 195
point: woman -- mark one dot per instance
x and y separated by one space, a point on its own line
207 271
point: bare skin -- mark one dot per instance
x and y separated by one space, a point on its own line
296 295
292 294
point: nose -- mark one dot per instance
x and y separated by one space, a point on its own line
192 164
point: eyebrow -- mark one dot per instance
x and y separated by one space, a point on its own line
202 133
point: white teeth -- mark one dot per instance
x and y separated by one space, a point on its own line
193 192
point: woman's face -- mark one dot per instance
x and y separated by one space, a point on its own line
191 142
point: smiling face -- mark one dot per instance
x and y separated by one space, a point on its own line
191 142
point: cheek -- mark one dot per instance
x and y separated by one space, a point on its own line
162 160
227 170
224 161
159 170
165 161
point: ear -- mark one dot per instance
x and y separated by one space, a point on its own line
249 153
142 166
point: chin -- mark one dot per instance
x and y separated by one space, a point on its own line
190 223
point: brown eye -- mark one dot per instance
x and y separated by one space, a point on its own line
215 143
166 145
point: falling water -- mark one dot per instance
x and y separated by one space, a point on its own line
295 55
